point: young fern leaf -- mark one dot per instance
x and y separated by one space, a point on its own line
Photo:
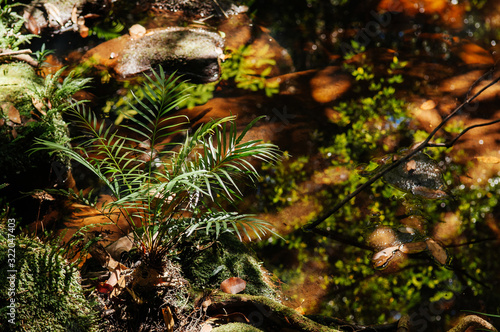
219 222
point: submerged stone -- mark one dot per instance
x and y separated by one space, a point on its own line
420 175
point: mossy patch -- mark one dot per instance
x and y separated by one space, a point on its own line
228 257
236 327
48 295
15 78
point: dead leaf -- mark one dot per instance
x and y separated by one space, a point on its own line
206 327
12 113
420 176
411 165
205 304
382 237
233 285
31 23
488 159
38 104
113 278
168 318
382 258
428 105
300 310
104 288
119 286
437 251
43 196
74 14
428 193
123 244
413 247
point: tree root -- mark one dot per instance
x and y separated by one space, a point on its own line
261 311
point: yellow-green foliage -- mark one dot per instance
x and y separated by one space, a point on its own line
243 67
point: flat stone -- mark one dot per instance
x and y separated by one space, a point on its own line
195 52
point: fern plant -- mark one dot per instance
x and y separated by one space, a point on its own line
166 191
11 24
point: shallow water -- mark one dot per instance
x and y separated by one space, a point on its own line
332 117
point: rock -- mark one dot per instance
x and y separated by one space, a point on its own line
191 51
201 8
440 12
59 15
136 31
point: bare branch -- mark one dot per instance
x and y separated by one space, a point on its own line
453 141
21 55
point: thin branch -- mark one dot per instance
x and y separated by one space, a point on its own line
4 52
472 242
415 149
452 142
21 55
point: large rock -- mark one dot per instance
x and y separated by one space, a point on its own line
191 51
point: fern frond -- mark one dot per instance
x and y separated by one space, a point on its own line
217 223
220 151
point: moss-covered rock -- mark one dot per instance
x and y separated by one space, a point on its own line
42 286
15 78
228 257
236 327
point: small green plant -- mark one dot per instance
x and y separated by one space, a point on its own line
11 24
108 28
243 66
41 55
51 99
166 194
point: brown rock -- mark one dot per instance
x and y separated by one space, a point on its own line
188 50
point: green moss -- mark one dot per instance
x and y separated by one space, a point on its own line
236 327
227 258
273 311
48 295
15 78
